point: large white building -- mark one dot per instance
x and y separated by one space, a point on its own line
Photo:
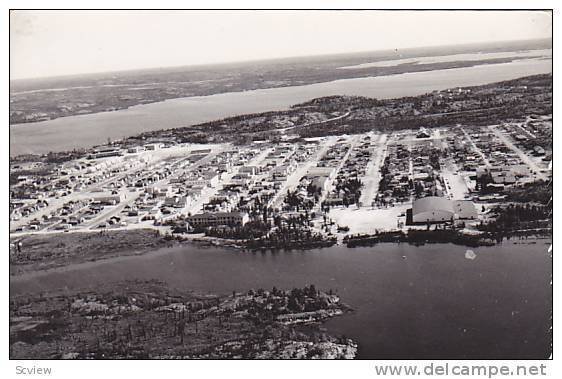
219 218
441 209
432 209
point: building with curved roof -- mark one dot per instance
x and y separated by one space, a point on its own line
432 209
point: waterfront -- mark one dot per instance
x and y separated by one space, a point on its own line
72 132
410 302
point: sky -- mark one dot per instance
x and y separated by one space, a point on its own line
52 43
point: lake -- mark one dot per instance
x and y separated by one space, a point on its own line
410 302
87 130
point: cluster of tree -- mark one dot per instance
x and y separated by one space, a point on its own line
420 237
295 201
385 177
482 182
349 189
434 159
400 193
534 192
294 236
259 208
335 103
515 213
516 217
302 220
313 190
476 107
251 230
267 305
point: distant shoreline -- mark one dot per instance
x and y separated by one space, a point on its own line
358 72
171 112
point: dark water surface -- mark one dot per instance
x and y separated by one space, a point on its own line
410 302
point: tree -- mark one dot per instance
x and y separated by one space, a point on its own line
294 304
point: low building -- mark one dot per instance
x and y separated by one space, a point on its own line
538 151
503 177
105 153
200 151
423 133
160 191
107 198
176 201
320 182
251 170
321 171
152 146
134 150
465 210
205 180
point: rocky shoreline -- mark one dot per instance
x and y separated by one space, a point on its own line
150 320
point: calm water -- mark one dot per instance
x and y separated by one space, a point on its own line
432 303
87 130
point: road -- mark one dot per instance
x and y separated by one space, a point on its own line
55 203
284 130
372 174
455 182
157 158
209 192
476 148
293 179
524 157
352 140
114 211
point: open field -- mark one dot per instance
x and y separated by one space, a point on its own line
367 220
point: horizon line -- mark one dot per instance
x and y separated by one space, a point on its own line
90 73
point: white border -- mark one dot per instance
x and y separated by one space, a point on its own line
240 369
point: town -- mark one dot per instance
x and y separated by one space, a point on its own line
295 191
